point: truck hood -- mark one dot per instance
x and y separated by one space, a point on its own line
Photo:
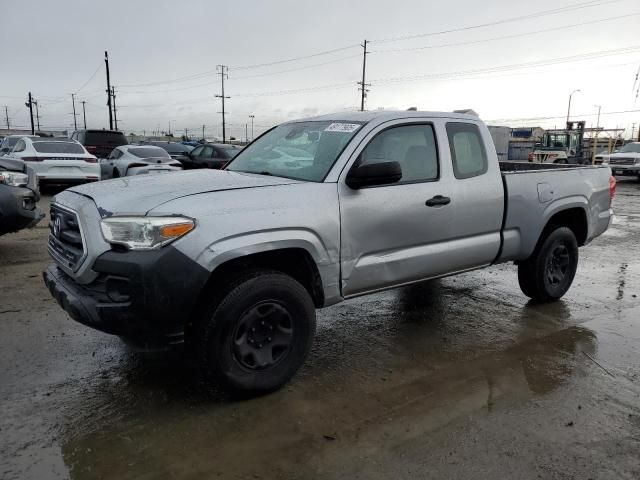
7 163
623 155
139 194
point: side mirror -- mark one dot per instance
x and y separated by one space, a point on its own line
370 174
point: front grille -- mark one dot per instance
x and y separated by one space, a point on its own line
65 237
622 161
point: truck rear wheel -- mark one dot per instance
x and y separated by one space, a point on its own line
548 273
259 334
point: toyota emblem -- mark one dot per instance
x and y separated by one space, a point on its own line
57 225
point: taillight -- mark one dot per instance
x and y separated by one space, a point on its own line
33 159
612 188
531 156
91 160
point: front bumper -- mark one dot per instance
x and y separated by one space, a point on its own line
625 169
18 209
147 297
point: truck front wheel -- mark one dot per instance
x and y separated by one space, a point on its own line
548 273
259 334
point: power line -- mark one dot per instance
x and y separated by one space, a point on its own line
568 8
277 62
297 90
297 69
90 78
175 80
533 119
504 37
553 61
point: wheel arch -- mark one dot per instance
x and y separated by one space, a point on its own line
296 262
572 217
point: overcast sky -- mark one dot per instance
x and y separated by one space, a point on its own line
53 48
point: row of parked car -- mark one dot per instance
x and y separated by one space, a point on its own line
28 161
91 155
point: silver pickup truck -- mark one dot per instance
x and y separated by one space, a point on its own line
233 263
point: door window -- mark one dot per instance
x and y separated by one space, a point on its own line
467 150
20 146
207 151
196 152
412 146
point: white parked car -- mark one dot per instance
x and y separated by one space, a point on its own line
57 160
128 160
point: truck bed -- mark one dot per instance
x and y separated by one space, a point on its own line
511 167
534 192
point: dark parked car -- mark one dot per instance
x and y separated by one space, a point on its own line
210 155
18 196
100 142
177 151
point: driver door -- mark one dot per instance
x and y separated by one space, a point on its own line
390 234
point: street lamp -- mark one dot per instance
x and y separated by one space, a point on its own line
569 107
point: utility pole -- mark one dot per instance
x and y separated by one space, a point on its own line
363 85
595 137
73 101
30 105
252 117
113 101
169 134
84 115
186 134
246 132
223 74
6 115
106 61
202 132
35 102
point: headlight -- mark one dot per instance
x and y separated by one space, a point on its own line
14 179
145 233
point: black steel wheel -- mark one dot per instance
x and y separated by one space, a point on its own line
548 274
258 333
263 336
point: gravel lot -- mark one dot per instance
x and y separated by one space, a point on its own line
457 378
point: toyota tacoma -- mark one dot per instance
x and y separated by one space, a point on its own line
233 263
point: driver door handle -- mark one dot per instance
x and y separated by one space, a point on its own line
438 201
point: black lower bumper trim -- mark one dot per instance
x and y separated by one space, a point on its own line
18 209
146 297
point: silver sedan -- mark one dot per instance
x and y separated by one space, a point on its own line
128 160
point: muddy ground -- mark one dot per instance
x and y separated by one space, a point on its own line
457 378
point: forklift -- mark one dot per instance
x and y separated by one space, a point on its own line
561 146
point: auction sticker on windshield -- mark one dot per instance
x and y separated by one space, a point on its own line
342 127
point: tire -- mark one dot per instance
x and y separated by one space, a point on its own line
259 333
548 273
562 161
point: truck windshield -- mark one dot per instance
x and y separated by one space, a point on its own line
631 148
301 150
555 140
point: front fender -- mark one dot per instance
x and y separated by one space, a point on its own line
325 257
